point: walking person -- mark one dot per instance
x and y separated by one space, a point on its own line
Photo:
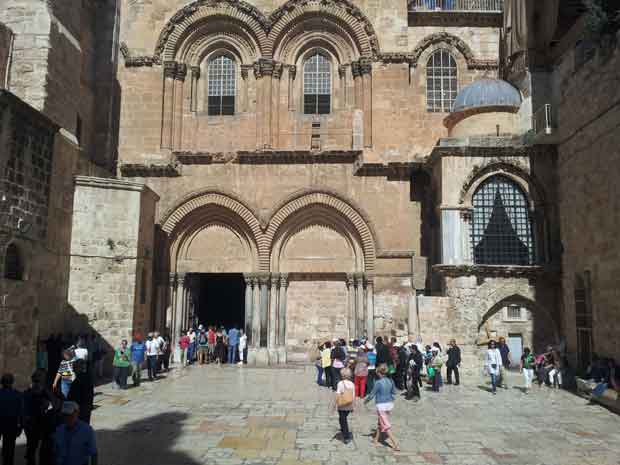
504 350
527 368
37 401
11 415
152 351
65 375
138 357
318 363
191 350
435 364
161 347
243 347
203 347
415 363
372 365
555 374
233 344
345 397
184 343
121 364
74 440
384 393
220 347
326 362
493 364
82 390
452 365
361 372
211 340
338 359
167 352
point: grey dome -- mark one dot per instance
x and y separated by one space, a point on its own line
487 93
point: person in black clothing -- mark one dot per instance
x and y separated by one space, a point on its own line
383 352
10 418
401 368
415 363
38 399
454 360
337 354
82 390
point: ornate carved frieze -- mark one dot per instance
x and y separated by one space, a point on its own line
356 69
292 71
297 156
455 42
503 271
196 72
365 66
395 171
180 72
170 69
277 70
245 69
342 71
142 170
136 61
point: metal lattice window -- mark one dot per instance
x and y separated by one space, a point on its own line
501 230
513 313
13 266
222 83
441 82
317 85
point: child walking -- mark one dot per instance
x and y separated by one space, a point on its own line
345 395
384 393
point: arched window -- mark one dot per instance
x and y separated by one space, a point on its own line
317 85
13 266
222 84
501 230
441 81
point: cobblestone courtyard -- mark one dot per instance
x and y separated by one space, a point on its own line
232 415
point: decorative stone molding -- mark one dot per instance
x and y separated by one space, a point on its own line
143 170
356 69
196 72
180 72
395 170
292 71
298 156
245 69
396 254
365 66
502 271
136 61
170 69
455 42
342 71
454 18
277 70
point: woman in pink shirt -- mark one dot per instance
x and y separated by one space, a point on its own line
184 344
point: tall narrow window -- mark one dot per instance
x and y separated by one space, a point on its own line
501 227
13 266
441 82
583 320
222 83
317 85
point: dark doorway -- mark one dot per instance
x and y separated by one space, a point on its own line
221 299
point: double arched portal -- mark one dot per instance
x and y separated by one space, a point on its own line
307 266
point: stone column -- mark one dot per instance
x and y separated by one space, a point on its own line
273 311
351 307
370 308
255 313
357 84
292 72
170 68
342 94
194 89
179 297
282 310
177 124
275 105
244 97
263 70
248 308
366 70
264 308
359 303
169 323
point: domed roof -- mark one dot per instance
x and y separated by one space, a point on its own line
487 93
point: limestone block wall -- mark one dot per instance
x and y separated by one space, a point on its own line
112 242
588 167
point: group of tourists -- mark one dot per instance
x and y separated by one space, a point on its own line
55 411
213 344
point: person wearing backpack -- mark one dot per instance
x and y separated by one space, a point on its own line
345 396
203 347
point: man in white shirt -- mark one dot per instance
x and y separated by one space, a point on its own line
81 352
243 343
152 354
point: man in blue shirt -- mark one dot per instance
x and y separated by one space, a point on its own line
233 344
74 440
138 356
10 417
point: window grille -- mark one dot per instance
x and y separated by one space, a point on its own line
317 85
583 319
222 84
13 266
513 313
441 82
501 230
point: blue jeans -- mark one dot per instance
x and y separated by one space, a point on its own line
319 375
190 352
232 352
494 381
65 386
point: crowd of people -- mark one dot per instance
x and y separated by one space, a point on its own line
213 344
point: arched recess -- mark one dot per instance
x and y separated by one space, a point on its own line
191 17
343 15
196 216
538 320
333 212
446 39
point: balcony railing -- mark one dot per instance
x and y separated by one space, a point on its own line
543 120
457 5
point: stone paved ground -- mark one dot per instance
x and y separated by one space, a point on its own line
233 415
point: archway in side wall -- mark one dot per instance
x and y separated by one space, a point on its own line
318 249
522 322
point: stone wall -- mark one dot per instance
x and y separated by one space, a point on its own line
588 168
111 243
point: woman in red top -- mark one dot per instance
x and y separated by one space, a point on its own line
183 344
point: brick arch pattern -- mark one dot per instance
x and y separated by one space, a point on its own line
187 17
304 200
443 38
343 12
202 39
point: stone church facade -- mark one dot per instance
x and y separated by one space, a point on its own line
359 166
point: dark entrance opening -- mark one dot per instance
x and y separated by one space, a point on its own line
221 299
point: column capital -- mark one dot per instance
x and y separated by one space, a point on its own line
245 69
292 72
181 72
365 66
284 280
180 279
342 71
356 69
264 279
277 70
350 280
263 67
466 214
170 69
196 72
172 279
